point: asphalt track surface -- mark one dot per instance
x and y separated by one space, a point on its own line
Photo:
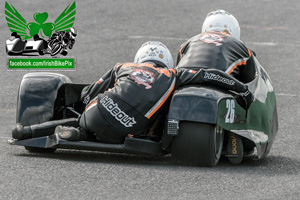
111 32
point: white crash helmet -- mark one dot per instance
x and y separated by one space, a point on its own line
222 21
156 52
73 32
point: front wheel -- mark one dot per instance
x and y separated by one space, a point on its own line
56 48
197 144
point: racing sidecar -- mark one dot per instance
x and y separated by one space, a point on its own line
201 124
18 46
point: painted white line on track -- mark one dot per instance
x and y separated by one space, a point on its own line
149 37
156 37
263 43
287 95
5 137
267 28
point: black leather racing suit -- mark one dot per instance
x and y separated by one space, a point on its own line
218 51
129 97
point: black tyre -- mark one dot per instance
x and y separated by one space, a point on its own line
64 53
40 150
41 52
56 48
197 144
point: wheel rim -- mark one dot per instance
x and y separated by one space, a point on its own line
219 137
56 49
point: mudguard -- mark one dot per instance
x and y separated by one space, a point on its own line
196 103
37 95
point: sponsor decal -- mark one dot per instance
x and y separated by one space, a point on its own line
219 78
159 70
100 81
86 99
152 49
233 144
211 38
230 105
116 112
143 77
152 52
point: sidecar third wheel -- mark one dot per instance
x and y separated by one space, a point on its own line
197 144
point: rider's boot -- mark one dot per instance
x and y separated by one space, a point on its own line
70 133
39 130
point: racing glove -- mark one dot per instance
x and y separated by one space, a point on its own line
245 99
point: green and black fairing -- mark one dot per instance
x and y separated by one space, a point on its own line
261 123
214 106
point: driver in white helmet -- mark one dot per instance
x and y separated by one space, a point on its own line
219 46
130 97
67 36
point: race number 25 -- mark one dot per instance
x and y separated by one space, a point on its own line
230 111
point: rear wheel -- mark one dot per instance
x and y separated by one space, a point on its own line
41 52
197 144
40 150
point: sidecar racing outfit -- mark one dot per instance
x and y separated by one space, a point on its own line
129 97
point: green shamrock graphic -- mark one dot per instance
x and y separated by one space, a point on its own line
36 28
18 24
